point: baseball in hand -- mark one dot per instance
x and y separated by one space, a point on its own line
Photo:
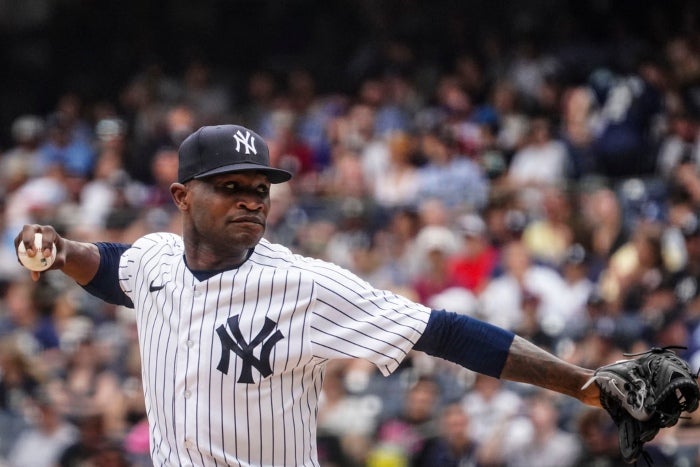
38 262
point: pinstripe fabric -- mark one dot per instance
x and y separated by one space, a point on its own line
278 313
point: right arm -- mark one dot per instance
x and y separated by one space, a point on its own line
78 260
94 266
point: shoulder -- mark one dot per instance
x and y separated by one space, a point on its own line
160 243
161 239
274 254
279 256
267 249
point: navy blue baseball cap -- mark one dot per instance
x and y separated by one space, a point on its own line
221 149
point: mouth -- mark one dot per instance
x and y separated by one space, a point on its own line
248 220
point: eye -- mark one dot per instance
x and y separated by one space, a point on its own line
263 190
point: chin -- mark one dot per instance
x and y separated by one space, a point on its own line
248 240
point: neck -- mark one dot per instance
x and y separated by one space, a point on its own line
201 258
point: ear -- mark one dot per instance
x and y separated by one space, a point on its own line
179 193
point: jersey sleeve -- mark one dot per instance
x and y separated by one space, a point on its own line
105 284
352 319
469 342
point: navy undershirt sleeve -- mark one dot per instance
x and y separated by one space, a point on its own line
469 342
105 284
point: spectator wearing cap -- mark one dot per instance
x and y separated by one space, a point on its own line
112 138
111 132
473 266
435 245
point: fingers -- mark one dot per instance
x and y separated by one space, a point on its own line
27 236
36 240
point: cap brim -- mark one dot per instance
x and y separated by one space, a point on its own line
273 175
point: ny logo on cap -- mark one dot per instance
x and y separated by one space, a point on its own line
247 141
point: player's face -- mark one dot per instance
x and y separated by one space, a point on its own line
228 211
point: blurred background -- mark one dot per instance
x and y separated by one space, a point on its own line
534 164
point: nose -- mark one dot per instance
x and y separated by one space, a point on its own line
250 202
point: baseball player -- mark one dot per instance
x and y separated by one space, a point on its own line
235 332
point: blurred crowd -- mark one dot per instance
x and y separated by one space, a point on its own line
566 211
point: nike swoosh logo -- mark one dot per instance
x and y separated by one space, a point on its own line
155 288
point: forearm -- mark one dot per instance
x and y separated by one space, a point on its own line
81 261
527 363
494 351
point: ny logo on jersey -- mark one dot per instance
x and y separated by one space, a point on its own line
247 141
243 349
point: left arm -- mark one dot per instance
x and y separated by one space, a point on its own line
527 363
488 349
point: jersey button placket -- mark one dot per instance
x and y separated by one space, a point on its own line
190 358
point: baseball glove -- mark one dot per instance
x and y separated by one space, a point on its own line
644 394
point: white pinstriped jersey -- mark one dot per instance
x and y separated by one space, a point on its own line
233 366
